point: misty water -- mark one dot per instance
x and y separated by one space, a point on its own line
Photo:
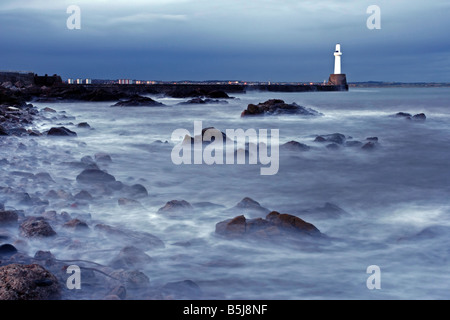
396 196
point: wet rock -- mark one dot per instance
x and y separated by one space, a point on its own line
36 227
136 191
403 115
175 207
294 146
93 176
83 125
332 146
138 101
132 279
143 240
337 138
353 143
217 94
87 160
83 196
419 117
50 110
3 131
369 146
276 225
44 255
130 257
277 107
249 206
76 225
327 211
203 101
7 250
292 223
8 217
129 203
186 289
374 139
61 132
43 177
28 282
102 157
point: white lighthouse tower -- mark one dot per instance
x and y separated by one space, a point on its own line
337 59
338 79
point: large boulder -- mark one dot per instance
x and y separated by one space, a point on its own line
28 282
276 107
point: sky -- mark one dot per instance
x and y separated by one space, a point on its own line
251 40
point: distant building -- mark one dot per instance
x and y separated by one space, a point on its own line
79 81
88 81
70 81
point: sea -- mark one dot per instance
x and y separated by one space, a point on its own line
394 198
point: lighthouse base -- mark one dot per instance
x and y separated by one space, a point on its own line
338 80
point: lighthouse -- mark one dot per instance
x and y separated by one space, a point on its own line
337 59
338 78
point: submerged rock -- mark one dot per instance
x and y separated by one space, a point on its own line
186 289
28 282
143 240
174 207
295 146
276 107
337 138
249 206
93 176
130 257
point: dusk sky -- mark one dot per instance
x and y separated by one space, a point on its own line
255 40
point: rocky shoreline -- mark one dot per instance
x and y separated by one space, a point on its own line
55 213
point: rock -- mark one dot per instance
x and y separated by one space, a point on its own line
275 225
249 206
337 138
332 146
3 131
36 227
419 117
402 115
8 217
61 132
175 207
2 206
292 223
83 196
374 139
44 255
327 211
94 176
28 282
130 257
76 224
353 143
143 240
294 146
276 107
217 94
43 177
181 290
138 101
50 110
132 279
137 191
369 146
7 250
129 203
102 157
83 125
203 101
